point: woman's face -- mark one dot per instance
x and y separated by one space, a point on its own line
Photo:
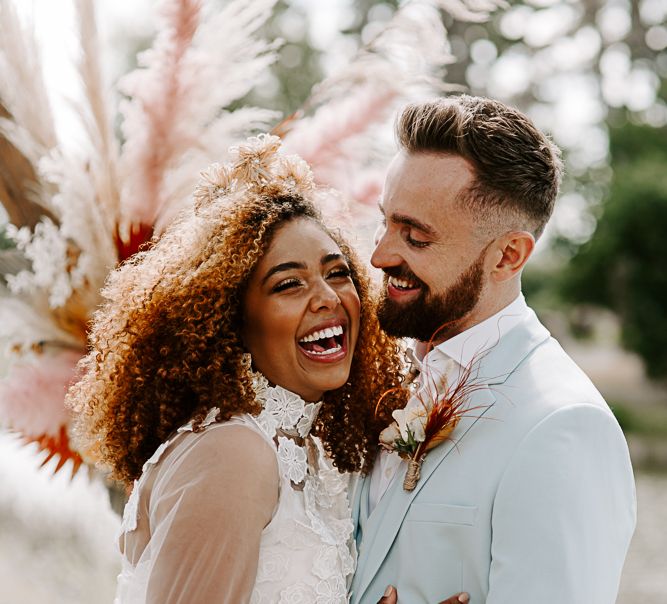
301 312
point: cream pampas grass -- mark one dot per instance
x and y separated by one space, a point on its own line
22 89
97 117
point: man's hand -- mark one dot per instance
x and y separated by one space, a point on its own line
391 597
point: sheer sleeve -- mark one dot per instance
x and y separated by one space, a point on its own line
207 509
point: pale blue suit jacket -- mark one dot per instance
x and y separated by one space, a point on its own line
532 502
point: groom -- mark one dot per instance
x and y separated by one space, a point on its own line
531 500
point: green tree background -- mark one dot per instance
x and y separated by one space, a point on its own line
622 267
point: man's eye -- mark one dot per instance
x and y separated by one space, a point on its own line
286 284
416 242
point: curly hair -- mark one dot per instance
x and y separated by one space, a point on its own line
166 346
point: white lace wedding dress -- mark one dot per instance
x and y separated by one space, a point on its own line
306 554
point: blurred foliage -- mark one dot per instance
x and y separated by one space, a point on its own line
649 422
622 267
300 59
291 77
5 243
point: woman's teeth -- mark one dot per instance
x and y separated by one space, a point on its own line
323 342
334 350
329 332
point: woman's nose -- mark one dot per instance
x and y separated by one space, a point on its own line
324 297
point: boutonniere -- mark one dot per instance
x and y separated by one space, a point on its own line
429 418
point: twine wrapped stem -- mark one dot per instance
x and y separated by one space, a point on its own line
413 474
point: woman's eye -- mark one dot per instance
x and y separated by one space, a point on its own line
340 273
286 284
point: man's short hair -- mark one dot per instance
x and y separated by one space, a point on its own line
517 168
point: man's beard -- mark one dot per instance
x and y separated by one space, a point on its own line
430 316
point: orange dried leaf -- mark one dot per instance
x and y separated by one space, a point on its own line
57 447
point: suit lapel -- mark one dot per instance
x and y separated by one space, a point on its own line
360 504
382 526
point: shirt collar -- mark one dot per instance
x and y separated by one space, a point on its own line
469 344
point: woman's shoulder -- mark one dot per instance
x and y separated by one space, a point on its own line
238 437
205 465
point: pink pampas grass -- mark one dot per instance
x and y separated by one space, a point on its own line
31 396
321 139
159 92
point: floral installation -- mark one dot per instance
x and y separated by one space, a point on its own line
431 415
76 213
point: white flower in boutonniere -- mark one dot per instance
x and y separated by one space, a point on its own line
428 419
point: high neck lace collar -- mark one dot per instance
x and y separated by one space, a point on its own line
283 410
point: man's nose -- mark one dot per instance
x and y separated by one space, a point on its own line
383 254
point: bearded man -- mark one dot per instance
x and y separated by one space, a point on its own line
531 499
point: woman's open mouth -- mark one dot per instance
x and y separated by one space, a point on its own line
325 345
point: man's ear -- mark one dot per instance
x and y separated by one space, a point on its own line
512 252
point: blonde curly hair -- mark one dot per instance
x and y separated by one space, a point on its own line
166 346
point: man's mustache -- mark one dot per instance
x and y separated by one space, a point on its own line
402 272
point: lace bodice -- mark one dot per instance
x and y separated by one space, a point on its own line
305 551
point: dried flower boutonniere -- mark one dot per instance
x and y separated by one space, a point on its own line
428 419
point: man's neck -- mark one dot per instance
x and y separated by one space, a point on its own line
488 306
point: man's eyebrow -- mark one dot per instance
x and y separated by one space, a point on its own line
414 223
285 266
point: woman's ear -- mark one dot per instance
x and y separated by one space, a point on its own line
514 250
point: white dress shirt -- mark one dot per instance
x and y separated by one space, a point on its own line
461 349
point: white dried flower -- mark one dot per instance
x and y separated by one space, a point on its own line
49 254
295 174
412 419
255 159
215 181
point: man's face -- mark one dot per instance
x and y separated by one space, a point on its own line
427 247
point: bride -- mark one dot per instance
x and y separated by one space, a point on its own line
232 380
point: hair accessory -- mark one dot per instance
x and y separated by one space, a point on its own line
256 166
246 361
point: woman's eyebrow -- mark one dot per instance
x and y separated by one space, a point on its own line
286 266
331 257
283 266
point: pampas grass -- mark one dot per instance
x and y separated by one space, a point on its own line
21 79
192 72
31 397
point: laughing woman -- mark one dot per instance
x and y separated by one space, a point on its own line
232 379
